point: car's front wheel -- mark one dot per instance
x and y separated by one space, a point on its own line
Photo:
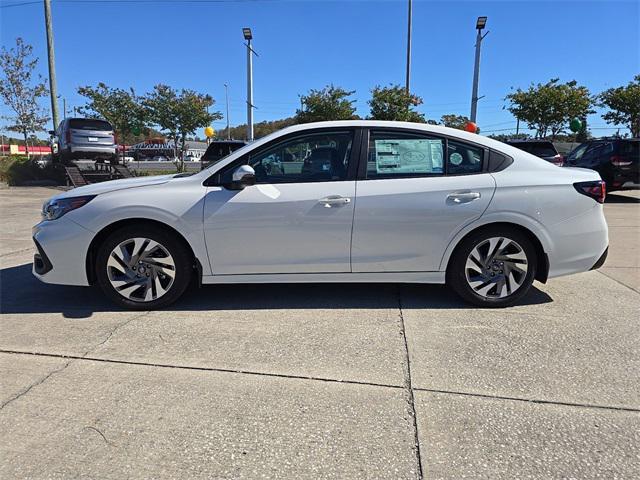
143 268
494 267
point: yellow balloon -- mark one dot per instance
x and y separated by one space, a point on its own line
209 132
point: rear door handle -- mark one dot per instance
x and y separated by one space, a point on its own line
334 200
463 197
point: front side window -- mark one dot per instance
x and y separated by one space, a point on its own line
463 158
320 157
397 155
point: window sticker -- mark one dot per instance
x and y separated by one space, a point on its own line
408 156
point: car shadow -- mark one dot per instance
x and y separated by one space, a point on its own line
22 293
613 198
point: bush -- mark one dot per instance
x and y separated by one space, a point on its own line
18 170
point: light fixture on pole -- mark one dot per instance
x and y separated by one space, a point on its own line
480 25
246 32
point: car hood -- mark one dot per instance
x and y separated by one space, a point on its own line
113 185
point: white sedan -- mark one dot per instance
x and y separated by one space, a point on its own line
348 201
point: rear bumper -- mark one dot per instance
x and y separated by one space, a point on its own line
601 260
579 243
95 149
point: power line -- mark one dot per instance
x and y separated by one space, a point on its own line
21 4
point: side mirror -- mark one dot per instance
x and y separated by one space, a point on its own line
243 176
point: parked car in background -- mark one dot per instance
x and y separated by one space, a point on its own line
617 160
218 149
540 148
360 201
84 139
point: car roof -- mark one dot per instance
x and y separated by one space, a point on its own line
483 141
528 140
436 129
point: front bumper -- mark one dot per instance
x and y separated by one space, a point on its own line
62 252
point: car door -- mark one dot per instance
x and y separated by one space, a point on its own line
414 194
298 216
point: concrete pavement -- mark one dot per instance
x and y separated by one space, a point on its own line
320 381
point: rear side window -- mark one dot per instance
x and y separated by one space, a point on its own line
463 158
630 149
398 155
89 124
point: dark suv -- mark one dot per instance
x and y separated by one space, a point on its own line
540 148
615 159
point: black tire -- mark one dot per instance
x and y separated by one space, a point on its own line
181 256
457 271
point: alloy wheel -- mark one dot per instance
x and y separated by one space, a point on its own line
141 269
496 267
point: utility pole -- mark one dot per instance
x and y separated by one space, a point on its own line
480 24
53 87
248 36
64 108
406 85
226 96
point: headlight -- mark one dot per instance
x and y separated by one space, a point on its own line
55 208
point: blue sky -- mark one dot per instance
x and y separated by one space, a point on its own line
355 44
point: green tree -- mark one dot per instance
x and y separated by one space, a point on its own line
20 92
394 103
179 114
454 121
548 108
121 108
260 129
330 103
624 106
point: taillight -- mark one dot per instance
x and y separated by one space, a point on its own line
558 160
115 138
618 161
67 136
596 190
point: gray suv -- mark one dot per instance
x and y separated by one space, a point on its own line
84 138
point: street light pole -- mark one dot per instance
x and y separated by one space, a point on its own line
408 47
53 87
480 24
226 96
248 36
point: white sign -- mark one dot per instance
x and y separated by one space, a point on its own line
409 156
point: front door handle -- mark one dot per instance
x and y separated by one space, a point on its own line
463 197
334 200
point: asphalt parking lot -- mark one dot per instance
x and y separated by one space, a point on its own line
321 381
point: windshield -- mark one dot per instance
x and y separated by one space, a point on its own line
577 152
211 162
219 150
540 149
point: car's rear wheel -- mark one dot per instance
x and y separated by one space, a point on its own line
143 268
493 267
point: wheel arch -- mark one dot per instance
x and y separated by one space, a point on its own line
102 235
542 267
